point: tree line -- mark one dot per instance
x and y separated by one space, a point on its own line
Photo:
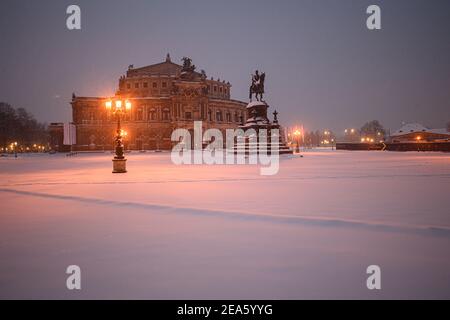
18 125
373 129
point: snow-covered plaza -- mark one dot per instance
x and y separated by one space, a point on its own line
163 231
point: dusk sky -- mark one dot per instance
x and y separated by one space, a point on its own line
324 68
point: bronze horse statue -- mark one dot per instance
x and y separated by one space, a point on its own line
257 86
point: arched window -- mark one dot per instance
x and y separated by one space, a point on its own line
166 114
219 116
152 114
140 114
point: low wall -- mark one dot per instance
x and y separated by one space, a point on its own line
397 146
359 146
419 146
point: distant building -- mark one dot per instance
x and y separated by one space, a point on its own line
56 131
164 96
413 132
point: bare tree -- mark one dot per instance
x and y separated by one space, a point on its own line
373 129
19 125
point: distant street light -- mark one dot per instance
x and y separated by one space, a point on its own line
14 147
119 161
329 138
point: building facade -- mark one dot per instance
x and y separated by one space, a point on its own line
164 97
415 132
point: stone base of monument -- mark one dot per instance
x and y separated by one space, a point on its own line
119 165
257 120
269 148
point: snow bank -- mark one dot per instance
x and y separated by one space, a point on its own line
197 231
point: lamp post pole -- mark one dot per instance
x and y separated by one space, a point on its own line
297 136
119 141
119 160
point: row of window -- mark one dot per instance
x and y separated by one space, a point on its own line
220 89
219 116
145 85
153 115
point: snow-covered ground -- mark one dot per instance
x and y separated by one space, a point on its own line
198 231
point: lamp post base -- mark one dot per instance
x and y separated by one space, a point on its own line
119 165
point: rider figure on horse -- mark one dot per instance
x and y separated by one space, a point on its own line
257 86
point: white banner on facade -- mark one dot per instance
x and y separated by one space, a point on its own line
70 137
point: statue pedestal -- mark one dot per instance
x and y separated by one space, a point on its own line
257 119
119 165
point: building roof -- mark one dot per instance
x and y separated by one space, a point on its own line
163 68
417 128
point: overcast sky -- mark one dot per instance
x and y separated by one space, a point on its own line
324 68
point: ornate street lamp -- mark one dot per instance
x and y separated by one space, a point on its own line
119 108
297 134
